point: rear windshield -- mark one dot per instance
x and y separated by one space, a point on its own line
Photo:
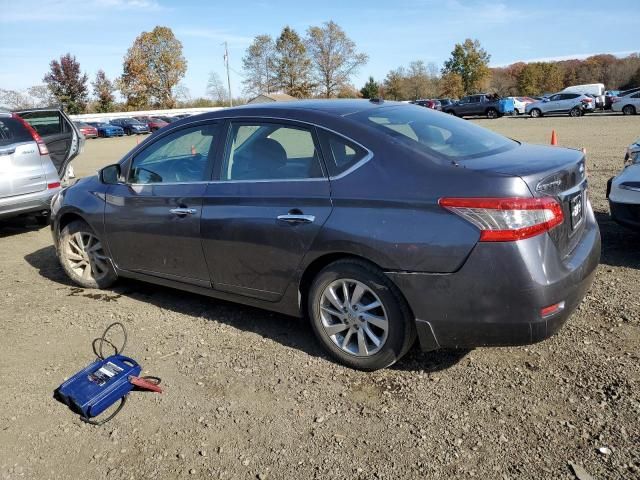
435 133
12 131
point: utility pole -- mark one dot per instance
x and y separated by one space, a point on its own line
226 64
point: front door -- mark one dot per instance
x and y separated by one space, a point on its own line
152 221
269 202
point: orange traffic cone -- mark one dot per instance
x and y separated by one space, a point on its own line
554 139
193 150
137 140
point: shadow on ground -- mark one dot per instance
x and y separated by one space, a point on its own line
19 225
288 331
620 245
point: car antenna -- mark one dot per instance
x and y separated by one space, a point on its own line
376 100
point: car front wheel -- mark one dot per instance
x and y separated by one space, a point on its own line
359 316
82 255
535 113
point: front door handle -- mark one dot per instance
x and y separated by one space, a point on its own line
183 211
296 218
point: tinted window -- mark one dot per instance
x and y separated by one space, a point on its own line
434 133
571 96
269 151
637 95
341 153
554 98
181 156
45 122
12 131
474 99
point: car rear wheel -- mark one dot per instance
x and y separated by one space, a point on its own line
535 113
359 316
492 113
82 255
575 112
629 110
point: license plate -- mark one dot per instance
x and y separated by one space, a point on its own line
576 210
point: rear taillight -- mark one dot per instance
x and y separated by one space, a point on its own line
42 147
507 219
53 185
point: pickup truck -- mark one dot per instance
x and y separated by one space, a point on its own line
480 104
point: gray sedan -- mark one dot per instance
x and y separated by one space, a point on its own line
379 221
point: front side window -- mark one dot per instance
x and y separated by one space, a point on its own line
270 151
438 135
179 157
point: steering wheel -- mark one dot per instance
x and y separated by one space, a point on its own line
190 169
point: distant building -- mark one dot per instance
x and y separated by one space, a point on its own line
272 97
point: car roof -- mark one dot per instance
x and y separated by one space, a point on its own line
337 107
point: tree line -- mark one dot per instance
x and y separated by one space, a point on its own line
321 63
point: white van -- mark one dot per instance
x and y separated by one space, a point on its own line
592 89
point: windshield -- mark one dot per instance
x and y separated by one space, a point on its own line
435 133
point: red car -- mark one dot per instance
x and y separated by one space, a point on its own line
87 130
154 123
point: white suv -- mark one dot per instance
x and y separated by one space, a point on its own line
575 104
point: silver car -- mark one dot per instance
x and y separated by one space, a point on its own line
36 147
628 104
575 104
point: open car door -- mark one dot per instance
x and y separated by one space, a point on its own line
62 137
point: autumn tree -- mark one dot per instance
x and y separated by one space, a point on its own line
67 84
216 89
371 89
451 85
153 67
259 67
334 56
394 84
292 64
540 77
103 90
471 62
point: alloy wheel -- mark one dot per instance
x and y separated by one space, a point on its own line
353 317
85 256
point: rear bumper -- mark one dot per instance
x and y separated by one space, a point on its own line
496 297
28 203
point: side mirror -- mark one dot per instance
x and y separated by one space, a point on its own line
110 174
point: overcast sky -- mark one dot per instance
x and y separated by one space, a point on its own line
393 33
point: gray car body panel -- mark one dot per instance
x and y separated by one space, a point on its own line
385 211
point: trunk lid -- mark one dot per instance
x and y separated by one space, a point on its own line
547 171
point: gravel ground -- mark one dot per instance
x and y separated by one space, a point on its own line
249 394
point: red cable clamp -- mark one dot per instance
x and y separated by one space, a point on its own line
145 383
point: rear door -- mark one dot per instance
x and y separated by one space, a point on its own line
268 204
21 169
62 137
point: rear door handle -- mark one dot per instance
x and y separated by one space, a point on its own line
297 218
183 211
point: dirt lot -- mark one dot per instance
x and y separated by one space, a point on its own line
249 394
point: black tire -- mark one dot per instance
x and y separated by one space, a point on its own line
492 113
104 276
575 112
629 110
535 113
128 132
401 332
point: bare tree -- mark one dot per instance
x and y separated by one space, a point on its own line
334 56
216 89
259 66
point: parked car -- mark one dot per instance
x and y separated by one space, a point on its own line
575 104
608 98
32 163
87 130
520 103
445 102
107 130
482 104
628 104
468 238
131 125
432 104
167 118
154 123
623 190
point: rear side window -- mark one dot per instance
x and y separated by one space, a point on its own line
340 153
571 96
439 135
45 122
12 131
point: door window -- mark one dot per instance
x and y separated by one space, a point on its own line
270 151
343 154
45 122
179 157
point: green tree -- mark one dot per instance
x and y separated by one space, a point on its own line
540 77
471 62
371 89
259 67
293 65
152 68
67 85
334 55
103 90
